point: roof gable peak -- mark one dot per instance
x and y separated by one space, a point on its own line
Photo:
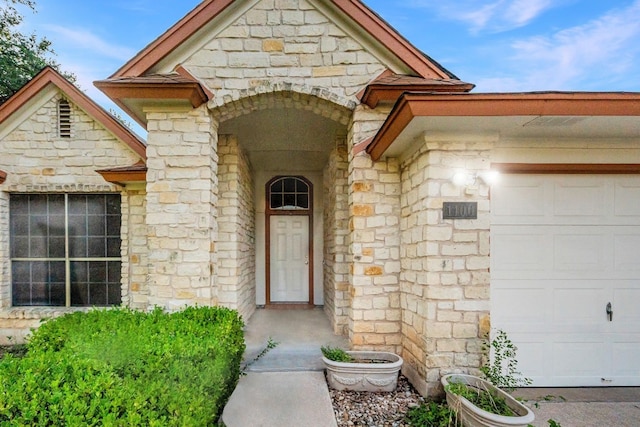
366 21
48 76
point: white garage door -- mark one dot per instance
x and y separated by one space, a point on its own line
562 248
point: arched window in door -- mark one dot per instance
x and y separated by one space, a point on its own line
289 193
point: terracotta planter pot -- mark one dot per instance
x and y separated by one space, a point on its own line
364 376
472 416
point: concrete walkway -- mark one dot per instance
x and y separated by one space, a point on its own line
585 406
270 399
286 386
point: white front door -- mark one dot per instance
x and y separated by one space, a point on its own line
289 258
562 248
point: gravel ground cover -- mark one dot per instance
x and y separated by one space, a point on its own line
375 409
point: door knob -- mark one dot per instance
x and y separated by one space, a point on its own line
610 312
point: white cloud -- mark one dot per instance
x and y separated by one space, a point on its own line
84 39
496 16
521 12
596 51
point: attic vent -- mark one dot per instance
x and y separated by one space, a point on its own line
64 119
554 121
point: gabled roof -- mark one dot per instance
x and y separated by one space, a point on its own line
368 20
49 76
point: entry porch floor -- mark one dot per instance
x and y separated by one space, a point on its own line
299 334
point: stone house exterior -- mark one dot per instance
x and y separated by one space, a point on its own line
303 153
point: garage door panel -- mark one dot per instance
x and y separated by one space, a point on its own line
532 361
626 307
521 251
578 356
529 250
521 305
575 197
626 247
580 252
625 366
578 309
553 273
519 201
626 197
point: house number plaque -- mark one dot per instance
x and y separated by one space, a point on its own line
460 210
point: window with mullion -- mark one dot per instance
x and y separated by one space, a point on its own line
289 193
65 249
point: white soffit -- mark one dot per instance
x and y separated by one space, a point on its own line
516 127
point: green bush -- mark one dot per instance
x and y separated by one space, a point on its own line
121 367
432 414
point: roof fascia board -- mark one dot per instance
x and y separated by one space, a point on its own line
412 105
200 38
177 43
375 94
399 118
129 95
213 16
391 39
191 92
526 104
123 177
567 168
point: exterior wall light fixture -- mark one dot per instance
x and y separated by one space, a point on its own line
465 178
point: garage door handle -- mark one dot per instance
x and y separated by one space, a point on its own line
610 312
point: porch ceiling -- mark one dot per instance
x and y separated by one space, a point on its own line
286 139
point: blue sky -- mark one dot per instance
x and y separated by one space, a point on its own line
500 45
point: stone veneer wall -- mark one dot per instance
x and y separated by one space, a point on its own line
445 264
374 222
36 159
182 199
336 239
294 47
236 225
135 289
5 279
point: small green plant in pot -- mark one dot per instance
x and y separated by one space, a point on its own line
336 354
368 370
481 401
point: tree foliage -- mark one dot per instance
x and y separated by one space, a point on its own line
22 56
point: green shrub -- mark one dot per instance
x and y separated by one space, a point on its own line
432 414
121 367
501 367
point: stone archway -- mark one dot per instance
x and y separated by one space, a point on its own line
284 133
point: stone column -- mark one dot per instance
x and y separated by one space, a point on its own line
336 237
445 262
236 235
182 198
374 222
